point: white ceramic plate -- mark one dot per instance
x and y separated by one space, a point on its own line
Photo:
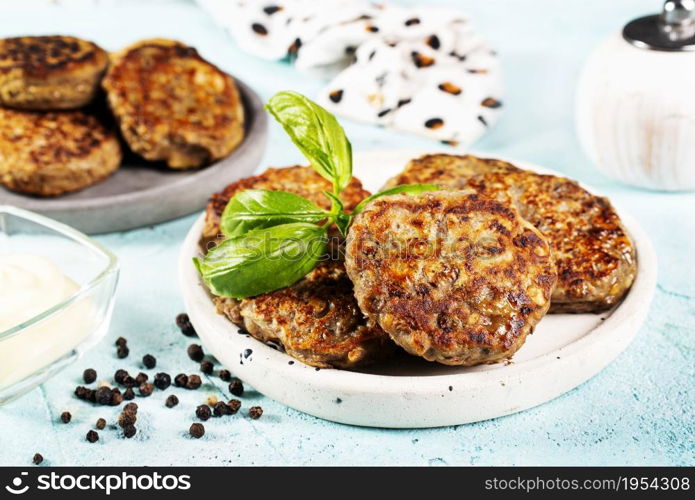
563 352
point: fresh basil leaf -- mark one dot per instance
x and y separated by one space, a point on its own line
317 134
404 188
263 260
260 208
336 203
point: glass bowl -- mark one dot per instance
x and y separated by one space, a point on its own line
38 348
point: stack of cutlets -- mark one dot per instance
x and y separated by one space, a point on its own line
58 136
459 275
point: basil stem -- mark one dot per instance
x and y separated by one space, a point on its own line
404 188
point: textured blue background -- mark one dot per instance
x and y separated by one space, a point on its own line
639 410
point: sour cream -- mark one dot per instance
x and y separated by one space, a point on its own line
31 285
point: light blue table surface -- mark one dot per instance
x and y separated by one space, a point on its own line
639 410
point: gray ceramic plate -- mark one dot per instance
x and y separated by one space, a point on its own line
140 194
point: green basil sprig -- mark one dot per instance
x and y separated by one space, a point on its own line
274 238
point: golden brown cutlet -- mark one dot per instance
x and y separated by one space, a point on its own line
52 153
172 105
451 276
49 72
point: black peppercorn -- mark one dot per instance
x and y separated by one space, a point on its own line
184 324
197 430
38 458
89 375
221 409
116 397
225 375
171 401
193 382
104 395
129 394
162 381
195 352
203 412
127 418
65 417
149 361
236 387
101 423
122 352
120 376
233 405
181 380
129 381
129 431
255 412
120 342
131 408
92 436
141 378
145 389
207 367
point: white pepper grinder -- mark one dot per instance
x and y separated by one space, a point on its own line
636 101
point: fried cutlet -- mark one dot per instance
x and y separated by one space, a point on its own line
451 276
49 72
52 153
172 105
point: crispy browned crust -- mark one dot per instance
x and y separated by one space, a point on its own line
49 72
317 321
451 171
173 105
451 276
303 181
594 256
49 154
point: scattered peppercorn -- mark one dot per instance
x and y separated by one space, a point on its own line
255 412
162 381
203 412
129 381
171 401
122 352
104 395
38 458
116 397
181 380
129 394
197 430
84 393
195 352
207 367
129 431
193 382
131 408
149 361
236 387
233 405
120 342
127 418
101 423
141 378
212 400
184 324
145 389
221 409
120 376
66 417
89 375
225 375
92 436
